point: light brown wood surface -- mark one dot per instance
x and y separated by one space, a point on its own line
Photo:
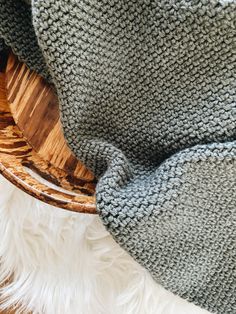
33 152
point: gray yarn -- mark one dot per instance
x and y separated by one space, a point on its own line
2 44
147 92
17 32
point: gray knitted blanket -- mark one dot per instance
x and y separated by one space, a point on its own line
147 91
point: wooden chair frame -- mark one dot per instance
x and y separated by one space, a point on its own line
32 142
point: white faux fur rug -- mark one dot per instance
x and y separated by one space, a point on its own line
67 263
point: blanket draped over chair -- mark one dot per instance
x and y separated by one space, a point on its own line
147 92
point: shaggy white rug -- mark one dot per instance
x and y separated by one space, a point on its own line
67 263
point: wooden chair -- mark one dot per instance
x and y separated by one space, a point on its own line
33 153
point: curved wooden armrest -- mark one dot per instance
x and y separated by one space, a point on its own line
12 169
29 157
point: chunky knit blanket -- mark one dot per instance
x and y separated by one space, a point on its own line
147 92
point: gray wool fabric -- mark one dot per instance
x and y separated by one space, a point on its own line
147 92
17 32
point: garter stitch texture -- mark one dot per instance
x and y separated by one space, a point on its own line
17 32
147 90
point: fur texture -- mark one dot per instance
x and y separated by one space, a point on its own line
61 262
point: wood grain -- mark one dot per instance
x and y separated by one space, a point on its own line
35 109
32 141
